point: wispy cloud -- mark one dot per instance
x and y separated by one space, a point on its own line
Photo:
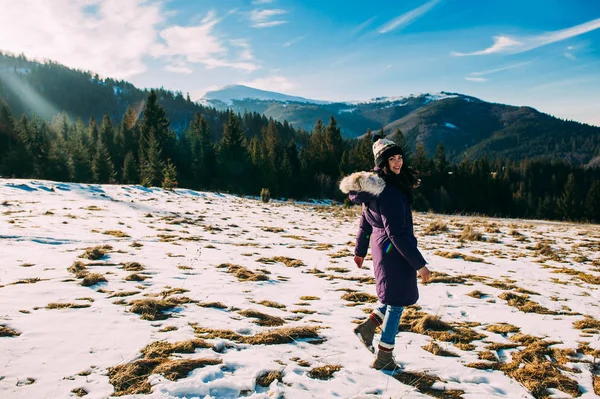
409 17
255 2
504 68
387 67
197 44
294 41
477 76
570 53
261 18
269 24
509 45
363 25
474 79
179 69
272 83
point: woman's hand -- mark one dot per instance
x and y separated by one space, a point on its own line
359 261
424 273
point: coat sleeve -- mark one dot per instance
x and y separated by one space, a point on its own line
363 236
394 222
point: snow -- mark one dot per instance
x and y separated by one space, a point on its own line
450 125
45 226
230 93
348 110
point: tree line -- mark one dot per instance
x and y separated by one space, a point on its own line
249 152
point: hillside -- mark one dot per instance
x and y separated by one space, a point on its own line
125 290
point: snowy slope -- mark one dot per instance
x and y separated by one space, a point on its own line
181 238
239 92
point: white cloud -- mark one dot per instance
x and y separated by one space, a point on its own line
113 37
363 25
269 24
261 18
474 79
255 2
504 68
570 55
387 67
271 83
507 45
110 38
263 15
407 18
294 41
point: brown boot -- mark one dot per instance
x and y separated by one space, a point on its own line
385 360
365 332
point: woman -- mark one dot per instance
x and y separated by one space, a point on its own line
386 220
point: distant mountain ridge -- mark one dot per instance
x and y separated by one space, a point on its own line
466 125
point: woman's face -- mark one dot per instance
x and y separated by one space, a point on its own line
395 163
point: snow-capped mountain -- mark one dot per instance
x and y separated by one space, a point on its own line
228 94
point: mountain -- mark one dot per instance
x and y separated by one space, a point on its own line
465 124
228 94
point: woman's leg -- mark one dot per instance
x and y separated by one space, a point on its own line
389 329
366 330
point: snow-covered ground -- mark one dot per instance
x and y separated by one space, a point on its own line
59 338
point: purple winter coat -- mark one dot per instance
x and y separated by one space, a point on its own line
386 221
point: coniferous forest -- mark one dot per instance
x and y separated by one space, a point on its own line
253 152
161 138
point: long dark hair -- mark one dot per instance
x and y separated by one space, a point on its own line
407 180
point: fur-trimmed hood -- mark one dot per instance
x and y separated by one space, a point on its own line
362 186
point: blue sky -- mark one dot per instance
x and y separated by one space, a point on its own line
541 53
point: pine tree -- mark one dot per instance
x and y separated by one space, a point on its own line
169 176
102 167
592 203
130 170
106 133
233 154
333 143
155 122
440 161
420 162
569 202
151 164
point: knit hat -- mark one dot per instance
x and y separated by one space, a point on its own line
383 149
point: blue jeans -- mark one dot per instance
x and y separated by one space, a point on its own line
391 320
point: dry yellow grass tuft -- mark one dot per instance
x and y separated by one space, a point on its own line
359 297
133 267
6 331
56 305
457 255
289 262
424 382
436 227
80 392
477 294
216 305
96 253
341 254
263 319
242 273
266 378
324 372
523 303
272 229
116 233
441 277
502 328
160 349
152 309
309 298
271 304
587 322
469 234
272 337
437 350
90 279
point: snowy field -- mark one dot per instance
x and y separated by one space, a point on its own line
143 293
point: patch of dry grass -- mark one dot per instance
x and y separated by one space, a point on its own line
435 227
216 305
457 255
31 280
80 392
159 349
133 267
168 328
90 279
487 355
135 277
289 262
309 298
272 229
263 319
56 305
266 378
523 303
469 234
243 274
586 277
324 372
587 322
503 328
437 350
6 331
271 304
441 277
341 254
424 382
123 294
359 297
152 309
96 253
116 233
477 294
276 336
